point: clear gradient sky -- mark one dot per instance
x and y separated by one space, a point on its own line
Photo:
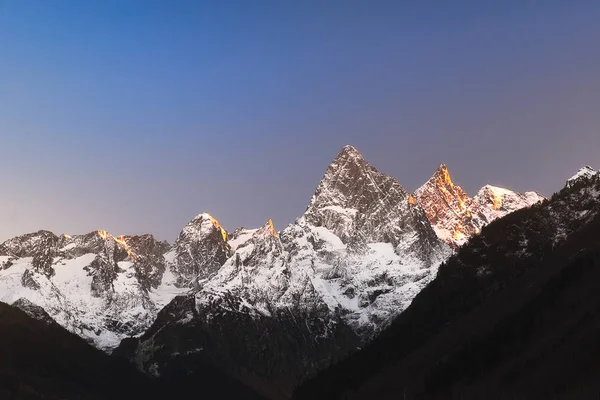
134 116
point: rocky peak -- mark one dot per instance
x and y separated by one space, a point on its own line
145 244
41 246
493 202
238 237
200 249
267 229
583 173
116 245
347 179
264 247
442 181
30 244
443 175
446 206
455 216
201 226
349 152
346 189
493 196
361 205
112 248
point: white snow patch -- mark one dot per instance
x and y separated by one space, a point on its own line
585 172
69 247
241 238
167 290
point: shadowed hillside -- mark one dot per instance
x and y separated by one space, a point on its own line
41 360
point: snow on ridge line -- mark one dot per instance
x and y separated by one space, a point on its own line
311 263
455 216
584 172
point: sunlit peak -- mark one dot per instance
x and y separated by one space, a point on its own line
272 227
445 175
218 226
497 196
119 240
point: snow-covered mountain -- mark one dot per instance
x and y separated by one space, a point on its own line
336 276
362 247
586 172
456 217
101 287
199 251
254 298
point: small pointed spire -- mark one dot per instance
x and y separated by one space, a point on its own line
267 229
443 174
348 152
200 218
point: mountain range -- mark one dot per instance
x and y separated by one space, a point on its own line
269 308
511 314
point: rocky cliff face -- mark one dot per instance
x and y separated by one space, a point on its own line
456 217
361 205
199 251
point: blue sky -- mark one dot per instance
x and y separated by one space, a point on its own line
134 116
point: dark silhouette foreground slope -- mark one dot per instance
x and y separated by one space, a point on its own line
41 360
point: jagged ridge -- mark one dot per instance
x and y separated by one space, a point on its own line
456 217
353 261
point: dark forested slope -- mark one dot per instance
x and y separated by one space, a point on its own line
41 360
